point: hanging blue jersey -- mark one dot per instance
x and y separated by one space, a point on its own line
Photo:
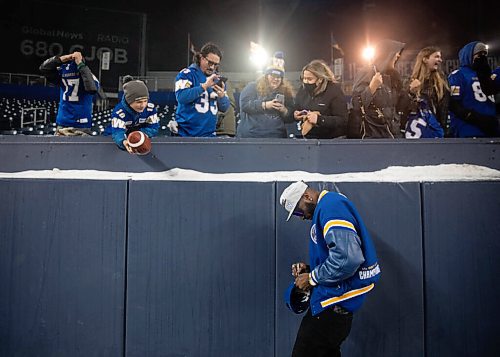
465 88
197 109
423 123
75 103
124 120
335 211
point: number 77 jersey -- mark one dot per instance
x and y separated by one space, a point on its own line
75 103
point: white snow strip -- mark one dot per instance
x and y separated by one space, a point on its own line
431 173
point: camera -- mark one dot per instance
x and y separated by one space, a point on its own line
280 98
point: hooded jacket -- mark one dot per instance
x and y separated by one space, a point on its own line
472 113
380 107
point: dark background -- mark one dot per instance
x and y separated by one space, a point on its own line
301 28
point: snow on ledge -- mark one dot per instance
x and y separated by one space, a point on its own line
431 173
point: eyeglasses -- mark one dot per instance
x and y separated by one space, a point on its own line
211 63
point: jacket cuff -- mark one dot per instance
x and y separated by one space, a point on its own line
312 281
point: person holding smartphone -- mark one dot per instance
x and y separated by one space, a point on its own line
200 95
320 104
267 104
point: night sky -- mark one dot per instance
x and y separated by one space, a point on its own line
302 28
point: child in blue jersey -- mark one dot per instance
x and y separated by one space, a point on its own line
343 268
134 112
472 112
198 95
78 87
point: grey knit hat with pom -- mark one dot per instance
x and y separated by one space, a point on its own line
134 90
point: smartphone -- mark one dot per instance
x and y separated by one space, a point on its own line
280 98
220 80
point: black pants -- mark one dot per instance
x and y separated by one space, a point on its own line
321 335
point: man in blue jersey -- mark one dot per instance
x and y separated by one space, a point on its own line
134 112
200 94
343 267
472 109
78 87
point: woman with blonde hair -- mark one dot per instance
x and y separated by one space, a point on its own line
429 86
266 104
320 103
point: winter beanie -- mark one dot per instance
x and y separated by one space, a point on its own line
134 90
480 47
277 65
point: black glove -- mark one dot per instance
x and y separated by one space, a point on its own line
481 66
487 124
483 71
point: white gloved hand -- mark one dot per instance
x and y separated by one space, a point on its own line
173 126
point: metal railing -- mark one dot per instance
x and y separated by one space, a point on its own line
22 79
34 121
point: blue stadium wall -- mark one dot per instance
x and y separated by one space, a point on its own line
178 268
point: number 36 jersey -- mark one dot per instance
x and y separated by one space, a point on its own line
75 103
197 109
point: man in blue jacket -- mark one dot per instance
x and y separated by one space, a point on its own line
343 268
200 94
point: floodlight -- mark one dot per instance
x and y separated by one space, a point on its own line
258 55
368 53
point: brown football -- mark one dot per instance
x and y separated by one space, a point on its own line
140 142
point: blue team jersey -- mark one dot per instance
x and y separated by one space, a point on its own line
423 123
125 120
197 109
465 88
75 104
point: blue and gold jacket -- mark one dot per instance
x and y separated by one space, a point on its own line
342 255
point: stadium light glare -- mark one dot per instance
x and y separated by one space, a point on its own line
258 55
368 53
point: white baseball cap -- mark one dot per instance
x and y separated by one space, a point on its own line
292 195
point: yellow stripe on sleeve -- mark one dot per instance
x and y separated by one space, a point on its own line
337 223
